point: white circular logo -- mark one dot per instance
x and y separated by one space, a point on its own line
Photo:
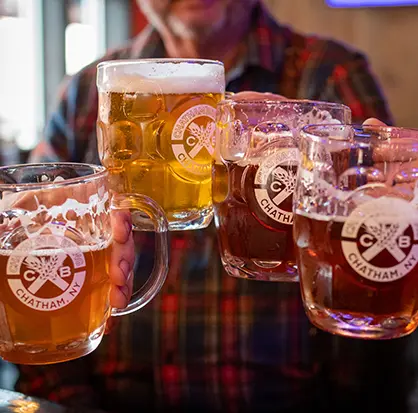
46 272
193 136
379 239
274 184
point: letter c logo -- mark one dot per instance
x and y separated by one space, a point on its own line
366 240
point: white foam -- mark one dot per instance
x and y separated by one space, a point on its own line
320 217
49 252
161 78
96 205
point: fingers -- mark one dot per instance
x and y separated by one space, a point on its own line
395 146
250 95
391 156
122 259
373 122
120 296
121 226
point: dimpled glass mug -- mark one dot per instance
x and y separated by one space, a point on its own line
55 246
253 177
155 131
356 229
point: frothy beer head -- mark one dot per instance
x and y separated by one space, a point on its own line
161 76
85 249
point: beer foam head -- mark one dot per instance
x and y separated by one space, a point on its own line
161 77
85 249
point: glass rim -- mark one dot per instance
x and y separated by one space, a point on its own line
128 62
308 132
99 172
273 102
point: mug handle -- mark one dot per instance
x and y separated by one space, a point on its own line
155 221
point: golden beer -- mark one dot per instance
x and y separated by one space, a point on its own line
64 294
156 133
56 235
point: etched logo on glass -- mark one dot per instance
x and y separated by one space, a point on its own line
193 138
274 184
46 272
380 239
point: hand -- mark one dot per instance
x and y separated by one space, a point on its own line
250 95
373 122
391 159
121 263
122 260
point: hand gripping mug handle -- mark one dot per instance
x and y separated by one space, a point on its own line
156 221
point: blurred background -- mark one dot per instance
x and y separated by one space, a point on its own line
44 41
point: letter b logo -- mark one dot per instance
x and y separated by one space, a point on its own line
65 272
404 241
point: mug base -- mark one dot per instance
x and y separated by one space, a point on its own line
43 354
260 270
190 220
362 326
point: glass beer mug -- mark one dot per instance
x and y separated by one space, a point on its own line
253 180
155 131
55 247
356 229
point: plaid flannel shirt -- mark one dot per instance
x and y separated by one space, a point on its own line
207 341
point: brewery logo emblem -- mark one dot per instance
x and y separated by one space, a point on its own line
46 272
380 239
193 138
274 184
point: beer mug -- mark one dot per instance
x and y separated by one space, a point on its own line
55 246
253 178
356 229
155 132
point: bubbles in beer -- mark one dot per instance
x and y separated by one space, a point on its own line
141 107
165 147
64 292
125 140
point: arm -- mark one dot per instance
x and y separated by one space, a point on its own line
352 83
58 134
65 129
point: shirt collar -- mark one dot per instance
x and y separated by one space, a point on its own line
148 44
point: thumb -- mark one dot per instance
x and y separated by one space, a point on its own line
249 94
373 122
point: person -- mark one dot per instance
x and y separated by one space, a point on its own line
207 342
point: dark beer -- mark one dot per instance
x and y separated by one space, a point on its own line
359 273
253 216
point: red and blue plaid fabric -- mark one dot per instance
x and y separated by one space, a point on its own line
208 342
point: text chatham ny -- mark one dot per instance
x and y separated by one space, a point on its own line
371 272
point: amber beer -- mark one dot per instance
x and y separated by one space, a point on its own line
356 229
156 129
64 294
253 215
345 284
55 248
254 174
